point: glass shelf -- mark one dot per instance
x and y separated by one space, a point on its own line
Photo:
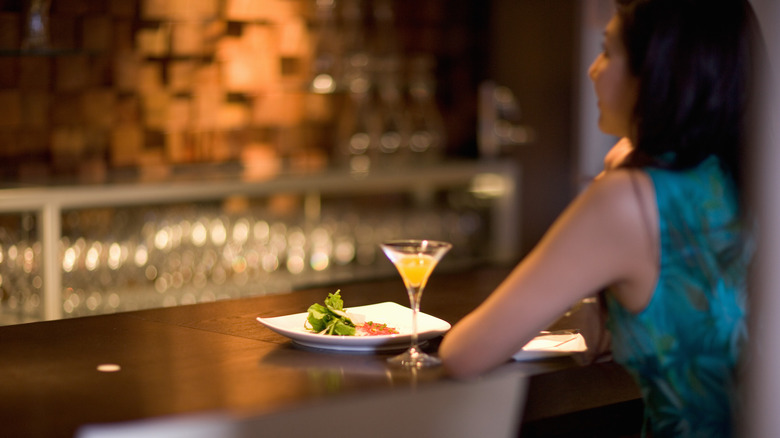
84 249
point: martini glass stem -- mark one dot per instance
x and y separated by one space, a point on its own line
414 301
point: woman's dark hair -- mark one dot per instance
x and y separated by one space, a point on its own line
694 61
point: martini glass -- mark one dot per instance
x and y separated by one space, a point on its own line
415 260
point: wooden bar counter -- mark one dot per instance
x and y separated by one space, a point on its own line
215 357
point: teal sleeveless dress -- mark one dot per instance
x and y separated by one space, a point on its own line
684 347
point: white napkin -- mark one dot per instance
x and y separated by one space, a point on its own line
552 344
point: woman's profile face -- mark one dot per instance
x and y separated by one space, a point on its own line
616 88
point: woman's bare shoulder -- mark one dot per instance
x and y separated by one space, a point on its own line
620 210
621 182
626 211
626 192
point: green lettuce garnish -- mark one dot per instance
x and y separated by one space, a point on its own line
330 319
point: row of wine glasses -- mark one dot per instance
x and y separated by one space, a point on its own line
126 259
388 114
346 30
386 122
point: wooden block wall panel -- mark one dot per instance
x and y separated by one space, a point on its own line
260 161
10 109
176 148
234 75
35 72
156 9
96 32
263 43
97 7
71 72
213 31
98 106
67 142
123 35
9 72
96 140
127 110
205 110
35 109
116 73
62 32
101 71
278 109
10 30
9 138
289 140
179 116
318 107
423 40
208 79
219 149
294 41
251 63
122 8
233 116
126 72
155 109
92 170
33 171
32 142
208 9
70 8
262 10
153 41
149 77
181 75
242 10
187 38
127 141
153 166
193 10
65 109
241 75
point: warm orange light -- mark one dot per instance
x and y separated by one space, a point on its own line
108 368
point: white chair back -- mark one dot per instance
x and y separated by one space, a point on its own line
489 407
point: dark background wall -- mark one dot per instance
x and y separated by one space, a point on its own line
532 45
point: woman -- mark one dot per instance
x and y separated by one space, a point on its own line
662 230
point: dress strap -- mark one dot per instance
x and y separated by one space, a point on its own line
645 216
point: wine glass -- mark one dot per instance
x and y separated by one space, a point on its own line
415 260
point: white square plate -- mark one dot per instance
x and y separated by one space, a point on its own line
392 314
547 345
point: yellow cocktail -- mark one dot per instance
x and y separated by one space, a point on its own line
415 260
416 269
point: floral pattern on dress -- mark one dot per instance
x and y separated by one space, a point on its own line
684 348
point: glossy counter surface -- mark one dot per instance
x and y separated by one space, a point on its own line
217 357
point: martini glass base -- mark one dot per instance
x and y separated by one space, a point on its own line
414 358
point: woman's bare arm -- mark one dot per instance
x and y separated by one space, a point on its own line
597 242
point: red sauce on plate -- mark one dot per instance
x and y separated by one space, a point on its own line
374 329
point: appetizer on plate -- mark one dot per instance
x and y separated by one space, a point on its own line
332 319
